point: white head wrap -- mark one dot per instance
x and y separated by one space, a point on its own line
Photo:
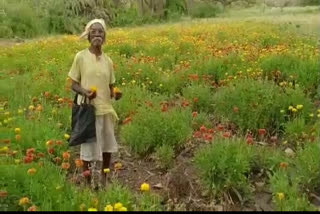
86 30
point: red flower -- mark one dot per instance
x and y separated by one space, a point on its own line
262 132
59 142
227 134
197 134
274 138
194 114
51 150
249 140
195 99
164 108
30 151
57 160
208 137
28 159
86 173
210 131
220 127
203 129
41 155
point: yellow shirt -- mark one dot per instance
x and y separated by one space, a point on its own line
90 71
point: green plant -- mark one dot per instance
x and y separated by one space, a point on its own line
165 155
224 166
157 128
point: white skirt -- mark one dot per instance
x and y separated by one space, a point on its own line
105 140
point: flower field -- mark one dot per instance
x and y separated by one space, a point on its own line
235 103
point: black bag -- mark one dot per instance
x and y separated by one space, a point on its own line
83 122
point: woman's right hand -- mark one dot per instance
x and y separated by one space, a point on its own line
90 94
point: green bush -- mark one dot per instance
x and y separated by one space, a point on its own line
286 195
165 155
304 72
307 164
225 165
252 105
152 128
200 92
204 10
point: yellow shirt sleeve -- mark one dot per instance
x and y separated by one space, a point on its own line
74 72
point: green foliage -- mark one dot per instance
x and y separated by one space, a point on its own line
153 128
259 105
225 166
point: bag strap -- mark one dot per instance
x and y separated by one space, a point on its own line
84 98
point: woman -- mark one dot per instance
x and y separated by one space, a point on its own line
93 76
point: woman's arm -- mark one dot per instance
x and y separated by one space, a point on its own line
78 89
111 86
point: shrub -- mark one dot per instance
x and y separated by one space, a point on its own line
252 104
225 165
152 128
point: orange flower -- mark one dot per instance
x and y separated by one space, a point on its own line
79 163
32 171
3 194
235 109
195 99
32 208
65 166
194 114
66 156
249 140
227 134
18 137
262 132
59 142
283 165
39 108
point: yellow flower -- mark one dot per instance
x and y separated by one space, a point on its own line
17 130
299 107
290 107
311 115
123 83
133 81
20 111
318 115
32 171
123 209
94 89
281 111
31 107
92 209
108 208
17 161
294 110
24 201
280 196
5 122
66 136
82 207
107 170
7 113
117 206
160 85
145 187
318 110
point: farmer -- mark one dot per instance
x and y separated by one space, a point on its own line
93 76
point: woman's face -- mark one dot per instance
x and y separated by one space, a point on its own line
96 35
